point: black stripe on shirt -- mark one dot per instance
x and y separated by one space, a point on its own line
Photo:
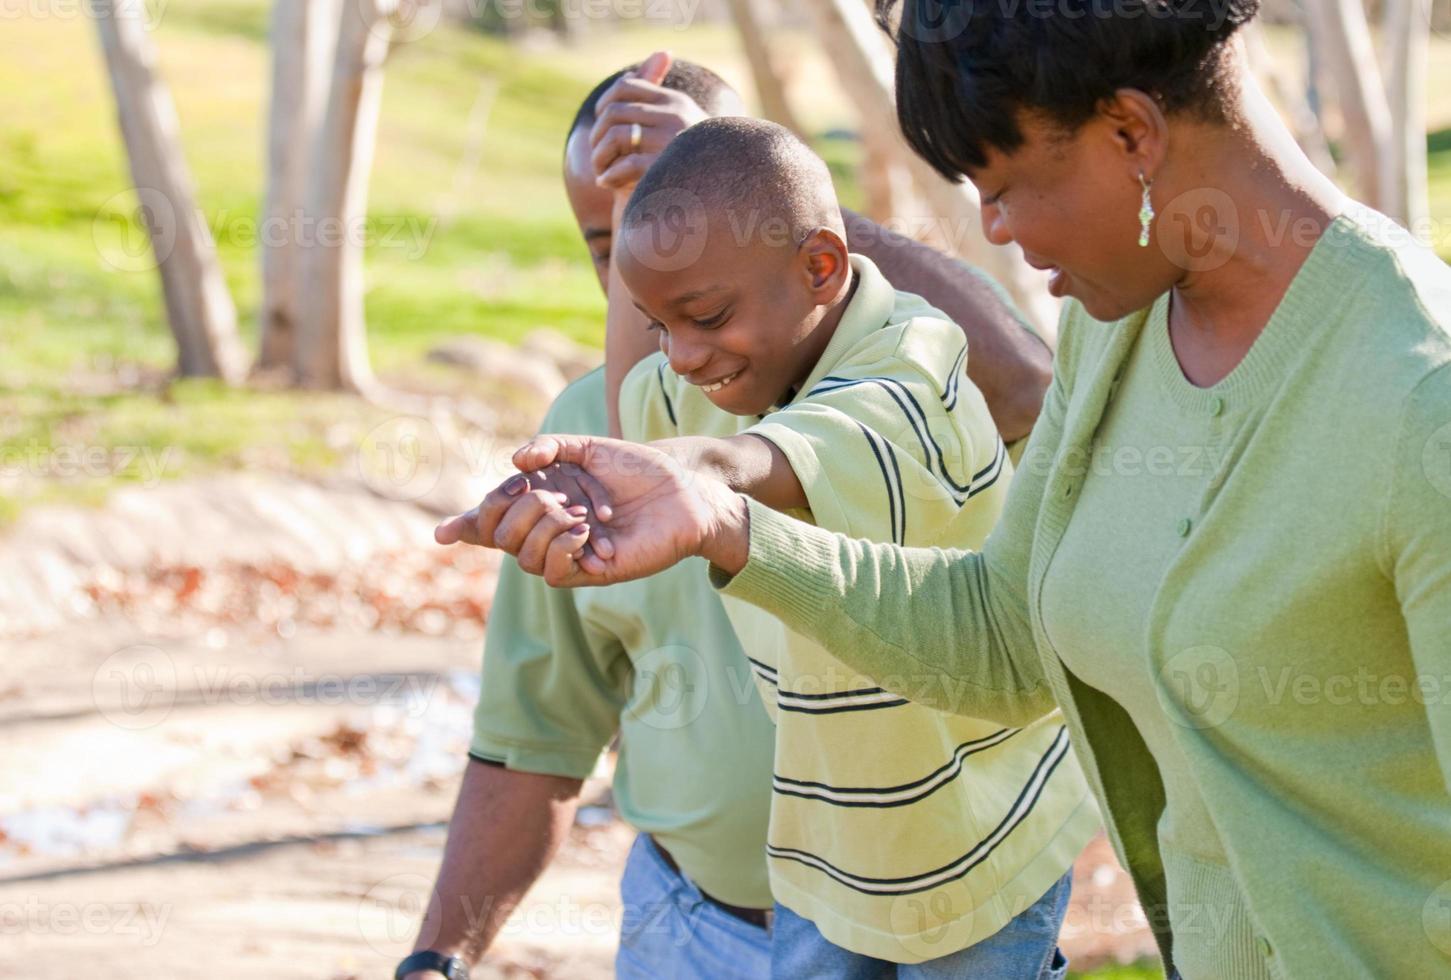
941 776
763 671
896 500
837 709
669 406
961 493
1020 810
949 393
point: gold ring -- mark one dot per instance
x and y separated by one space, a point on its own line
637 136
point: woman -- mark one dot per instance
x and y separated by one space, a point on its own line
1227 555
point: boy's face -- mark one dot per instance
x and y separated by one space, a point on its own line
740 320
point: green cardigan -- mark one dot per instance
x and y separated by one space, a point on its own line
1302 634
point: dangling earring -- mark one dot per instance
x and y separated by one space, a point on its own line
1146 212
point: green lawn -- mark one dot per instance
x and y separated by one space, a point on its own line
488 250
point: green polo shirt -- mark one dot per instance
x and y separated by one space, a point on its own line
655 661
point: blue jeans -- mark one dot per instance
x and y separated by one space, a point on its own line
1024 949
673 932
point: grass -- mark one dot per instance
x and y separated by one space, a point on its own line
456 250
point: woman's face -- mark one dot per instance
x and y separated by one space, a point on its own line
1072 204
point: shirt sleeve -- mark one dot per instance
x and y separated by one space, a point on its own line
886 451
891 612
1418 523
553 688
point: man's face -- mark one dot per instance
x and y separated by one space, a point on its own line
593 205
739 320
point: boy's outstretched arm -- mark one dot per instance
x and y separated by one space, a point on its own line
1008 363
748 464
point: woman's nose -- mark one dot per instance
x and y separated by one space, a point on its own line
994 229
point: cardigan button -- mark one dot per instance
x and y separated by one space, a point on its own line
1216 406
1185 524
1264 945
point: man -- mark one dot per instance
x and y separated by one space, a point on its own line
563 671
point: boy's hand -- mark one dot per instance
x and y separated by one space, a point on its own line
660 513
638 99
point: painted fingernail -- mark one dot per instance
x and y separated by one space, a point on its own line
578 510
515 486
580 531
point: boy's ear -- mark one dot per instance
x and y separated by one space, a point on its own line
825 258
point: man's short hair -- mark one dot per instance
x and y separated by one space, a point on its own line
705 87
756 171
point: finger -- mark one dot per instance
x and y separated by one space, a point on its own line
535 546
594 564
656 67
632 88
618 141
513 530
493 508
626 171
562 553
646 115
458 530
594 491
544 451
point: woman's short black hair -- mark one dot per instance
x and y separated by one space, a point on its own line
966 69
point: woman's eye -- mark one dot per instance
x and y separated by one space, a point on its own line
655 325
708 322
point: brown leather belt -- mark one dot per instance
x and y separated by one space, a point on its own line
760 918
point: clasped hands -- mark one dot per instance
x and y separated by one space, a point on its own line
589 511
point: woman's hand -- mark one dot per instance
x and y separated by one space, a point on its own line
638 99
658 512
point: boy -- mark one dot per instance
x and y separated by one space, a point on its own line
903 841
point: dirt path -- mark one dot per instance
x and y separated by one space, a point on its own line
237 759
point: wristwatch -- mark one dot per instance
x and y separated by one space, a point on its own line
450 966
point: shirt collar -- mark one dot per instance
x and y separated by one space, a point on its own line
869 310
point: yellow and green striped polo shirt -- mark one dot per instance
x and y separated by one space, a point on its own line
903 832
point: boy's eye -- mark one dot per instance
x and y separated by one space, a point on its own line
707 322
655 325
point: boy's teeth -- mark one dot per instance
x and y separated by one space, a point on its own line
719 384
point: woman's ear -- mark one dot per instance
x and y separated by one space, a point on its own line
826 264
1139 129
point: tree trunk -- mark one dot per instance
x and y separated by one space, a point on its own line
1407 40
332 341
858 50
304 37
1342 34
1294 101
769 88
199 307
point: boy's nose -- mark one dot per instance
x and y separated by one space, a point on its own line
686 358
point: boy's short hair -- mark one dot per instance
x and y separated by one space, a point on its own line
707 89
759 173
